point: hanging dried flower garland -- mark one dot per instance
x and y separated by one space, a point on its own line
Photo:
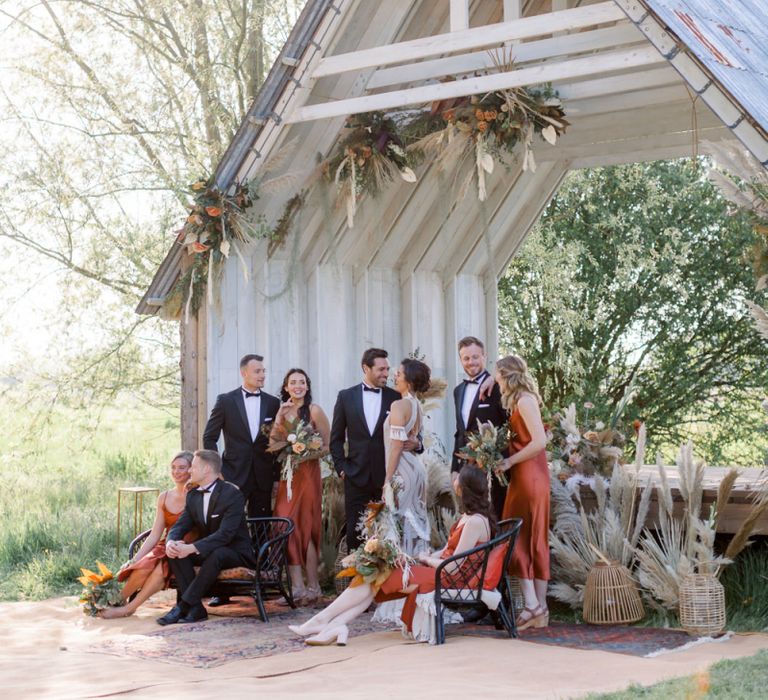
490 127
370 155
487 128
216 225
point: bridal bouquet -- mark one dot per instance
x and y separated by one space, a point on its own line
295 442
100 590
373 561
485 447
582 446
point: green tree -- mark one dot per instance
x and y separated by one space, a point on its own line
110 109
635 281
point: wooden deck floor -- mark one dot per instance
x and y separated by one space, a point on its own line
730 518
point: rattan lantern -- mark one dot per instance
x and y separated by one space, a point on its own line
702 604
611 596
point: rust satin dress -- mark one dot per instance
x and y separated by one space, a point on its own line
156 555
304 508
528 498
424 576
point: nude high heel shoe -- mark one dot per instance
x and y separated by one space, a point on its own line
305 631
338 635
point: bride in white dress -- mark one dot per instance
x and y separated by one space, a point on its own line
405 484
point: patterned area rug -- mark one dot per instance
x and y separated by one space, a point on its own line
235 632
240 635
619 639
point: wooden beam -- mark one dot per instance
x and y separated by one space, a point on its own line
593 40
548 72
637 80
491 35
459 15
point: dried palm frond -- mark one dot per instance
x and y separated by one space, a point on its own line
563 511
282 183
741 538
436 391
724 493
280 157
640 448
438 480
642 512
761 318
663 491
601 493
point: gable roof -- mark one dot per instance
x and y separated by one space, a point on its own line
716 48
730 39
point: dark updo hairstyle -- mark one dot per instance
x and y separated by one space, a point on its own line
285 396
417 374
474 495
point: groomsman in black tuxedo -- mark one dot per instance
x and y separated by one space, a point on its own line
477 399
358 420
240 415
216 511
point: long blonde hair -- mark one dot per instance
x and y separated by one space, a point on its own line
516 380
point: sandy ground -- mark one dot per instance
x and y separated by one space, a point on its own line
44 655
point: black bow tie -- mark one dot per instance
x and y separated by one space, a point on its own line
209 489
368 388
477 380
248 394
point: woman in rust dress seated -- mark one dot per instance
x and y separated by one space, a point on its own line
148 572
528 491
305 504
476 526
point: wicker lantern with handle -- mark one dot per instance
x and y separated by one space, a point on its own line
702 604
611 596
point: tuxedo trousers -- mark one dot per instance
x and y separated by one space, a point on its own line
259 502
193 587
356 499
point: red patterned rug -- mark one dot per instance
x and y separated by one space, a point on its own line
619 639
235 632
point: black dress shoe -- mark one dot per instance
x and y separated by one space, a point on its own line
196 613
218 600
171 617
473 614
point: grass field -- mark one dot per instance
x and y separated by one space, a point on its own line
742 679
58 502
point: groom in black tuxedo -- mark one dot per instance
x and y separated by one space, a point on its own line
358 420
216 511
472 403
240 415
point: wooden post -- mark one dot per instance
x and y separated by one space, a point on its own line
192 362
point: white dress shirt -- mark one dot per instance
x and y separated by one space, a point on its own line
470 392
253 411
207 497
371 406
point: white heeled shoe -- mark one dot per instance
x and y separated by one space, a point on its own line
337 635
304 631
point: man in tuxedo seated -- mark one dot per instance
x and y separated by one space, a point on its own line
216 510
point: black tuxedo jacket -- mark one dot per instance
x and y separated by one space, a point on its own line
247 463
363 465
489 409
225 525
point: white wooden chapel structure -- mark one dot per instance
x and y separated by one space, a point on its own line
640 80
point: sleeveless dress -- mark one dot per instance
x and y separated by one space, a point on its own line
528 498
417 612
157 554
411 510
304 508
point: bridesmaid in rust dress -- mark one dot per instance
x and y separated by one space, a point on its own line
305 505
528 491
149 572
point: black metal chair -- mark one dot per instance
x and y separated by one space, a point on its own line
463 587
508 588
269 537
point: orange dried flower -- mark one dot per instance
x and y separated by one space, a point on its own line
490 115
213 211
479 114
482 126
199 247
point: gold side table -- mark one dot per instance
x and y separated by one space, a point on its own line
138 507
